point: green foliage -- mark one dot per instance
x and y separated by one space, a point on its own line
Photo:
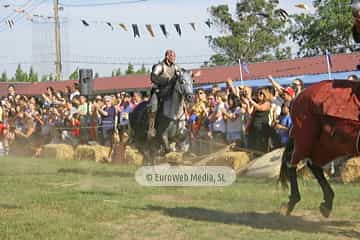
66 200
4 77
74 75
130 69
142 70
329 28
97 75
33 76
116 72
44 78
250 36
20 75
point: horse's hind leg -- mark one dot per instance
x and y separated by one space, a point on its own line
326 206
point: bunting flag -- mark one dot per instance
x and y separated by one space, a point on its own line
302 6
208 23
265 15
123 27
192 24
328 59
29 17
178 29
136 30
282 14
163 29
245 66
150 30
19 10
11 23
85 23
110 25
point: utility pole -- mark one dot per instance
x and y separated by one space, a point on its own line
57 41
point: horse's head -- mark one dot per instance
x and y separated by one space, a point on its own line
185 85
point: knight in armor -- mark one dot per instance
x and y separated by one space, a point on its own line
162 77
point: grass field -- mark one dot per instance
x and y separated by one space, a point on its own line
48 199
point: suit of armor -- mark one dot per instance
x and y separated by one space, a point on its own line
162 76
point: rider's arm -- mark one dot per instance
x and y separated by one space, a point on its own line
156 76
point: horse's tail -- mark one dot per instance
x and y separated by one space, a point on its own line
285 161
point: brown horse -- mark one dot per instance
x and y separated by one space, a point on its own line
326 124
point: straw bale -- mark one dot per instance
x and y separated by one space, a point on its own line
96 153
58 151
174 157
350 171
133 156
225 157
101 153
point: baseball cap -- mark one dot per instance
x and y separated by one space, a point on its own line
290 91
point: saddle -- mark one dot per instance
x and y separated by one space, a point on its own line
339 98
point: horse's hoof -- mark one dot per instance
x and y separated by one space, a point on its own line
324 210
285 210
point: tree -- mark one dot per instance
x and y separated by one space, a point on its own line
4 77
329 28
44 78
20 75
74 75
130 69
142 70
33 76
255 35
96 75
116 72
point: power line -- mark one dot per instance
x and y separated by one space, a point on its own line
101 4
12 13
20 16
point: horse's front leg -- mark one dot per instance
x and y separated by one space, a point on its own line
326 206
294 197
165 140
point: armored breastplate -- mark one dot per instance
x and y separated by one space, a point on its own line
168 71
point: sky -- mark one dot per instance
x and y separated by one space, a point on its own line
103 49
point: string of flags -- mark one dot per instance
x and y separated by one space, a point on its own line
281 13
29 16
149 27
87 23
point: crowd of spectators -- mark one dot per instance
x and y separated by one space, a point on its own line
252 118
28 123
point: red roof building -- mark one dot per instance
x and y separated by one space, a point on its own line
285 68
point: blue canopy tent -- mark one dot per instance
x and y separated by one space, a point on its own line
308 79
